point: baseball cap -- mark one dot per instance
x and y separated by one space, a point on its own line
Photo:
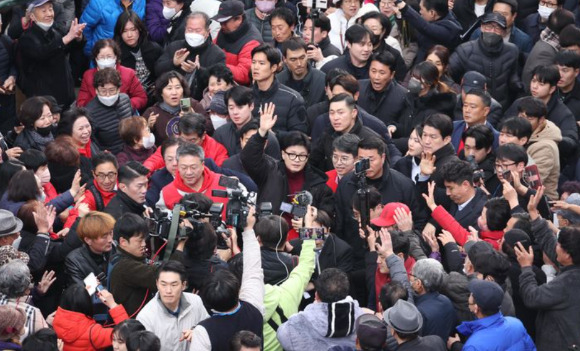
495 18
387 217
218 104
37 3
371 331
473 80
488 295
229 9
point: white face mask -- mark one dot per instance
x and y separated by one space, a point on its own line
217 121
107 63
45 26
168 12
194 39
149 142
108 100
545 11
45 177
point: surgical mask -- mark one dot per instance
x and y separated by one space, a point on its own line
414 86
149 142
545 11
45 26
265 6
491 39
194 39
108 100
44 131
45 177
168 12
217 121
107 63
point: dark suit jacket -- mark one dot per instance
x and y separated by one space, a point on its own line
468 216
336 253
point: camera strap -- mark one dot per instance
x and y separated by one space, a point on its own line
172 232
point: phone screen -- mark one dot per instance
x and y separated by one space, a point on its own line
185 104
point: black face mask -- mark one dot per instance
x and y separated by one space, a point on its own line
375 39
44 131
491 39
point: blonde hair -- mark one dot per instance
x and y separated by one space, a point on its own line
95 225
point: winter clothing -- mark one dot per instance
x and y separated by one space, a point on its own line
7 69
30 139
157 181
571 99
494 117
464 11
167 326
130 85
149 51
517 37
46 70
81 333
121 204
262 25
82 261
131 154
543 54
276 265
34 318
423 343
214 150
438 314
289 108
543 148
498 64
166 125
156 23
460 126
238 46
90 198
387 105
312 85
272 178
344 62
105 122
198 271
101 17
228 136
176 25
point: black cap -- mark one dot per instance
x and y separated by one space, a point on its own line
488 295
229 9
473 80
494 17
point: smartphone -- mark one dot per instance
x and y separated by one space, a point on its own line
312 233
185 105
532 176
507 175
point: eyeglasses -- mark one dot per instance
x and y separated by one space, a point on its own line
549 4
294 157
107 92
108 57
342 159
109 176
503 167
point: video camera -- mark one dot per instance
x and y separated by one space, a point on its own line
238 202
299 205
478 175
360 169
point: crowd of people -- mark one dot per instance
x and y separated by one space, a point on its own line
290 175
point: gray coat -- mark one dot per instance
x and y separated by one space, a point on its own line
557 302
105 122
542 54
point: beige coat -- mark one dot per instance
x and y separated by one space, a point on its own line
543 148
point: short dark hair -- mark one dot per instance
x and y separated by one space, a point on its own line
293 44
76 298
512 4
167 143
192 123
23 187
483 95
457 172
332 74
385 58
221 72
498 213
221 291
131 170
323 219
375 199
104 43
201 243
294 138
524 222
143 341
517 126
245 338
533 107
348 100
332 285
569 36
33 159
381 17
547 74
164 80
441 122
202 201
392 292
347 81
130 225
482 135
569 239
568 58
172 267
357 33
427 72
284 14
31 110
272 54
44 339
559 19
373 143
321 22
512 152
570 186
401 243
272 231
251 125
69 117
347 143
107 76
7 171
240 94
495 265
440 6
126 328
103 157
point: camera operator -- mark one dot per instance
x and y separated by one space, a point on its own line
272 233
132 278
132 190
236 305
478 143
191 176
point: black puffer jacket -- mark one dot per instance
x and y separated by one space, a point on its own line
387 105
499 65
277 265
105 122
228 136
150 51
290 107
464 11
121 204
272 181
418 109
313 91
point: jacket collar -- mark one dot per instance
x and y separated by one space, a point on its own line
132 204
469 327
124 253
446 150
273 89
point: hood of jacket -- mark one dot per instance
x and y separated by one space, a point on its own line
70 326
442 102
549 132
317 315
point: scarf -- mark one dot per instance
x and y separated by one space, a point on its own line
550 38
174 111
40 140
86 151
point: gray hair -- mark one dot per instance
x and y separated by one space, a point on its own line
190 149
14 279
430 272
347 143
198 14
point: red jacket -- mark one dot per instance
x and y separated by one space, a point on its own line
460 234
214 150
82 333
332 181
155 161
174 191
130 85
384 278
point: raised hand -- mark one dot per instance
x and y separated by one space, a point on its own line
179 56
534 202
445 237
385 248
403 219
430 197
267 118
48 277
107 298
525 257
152 120
42 218
427 164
